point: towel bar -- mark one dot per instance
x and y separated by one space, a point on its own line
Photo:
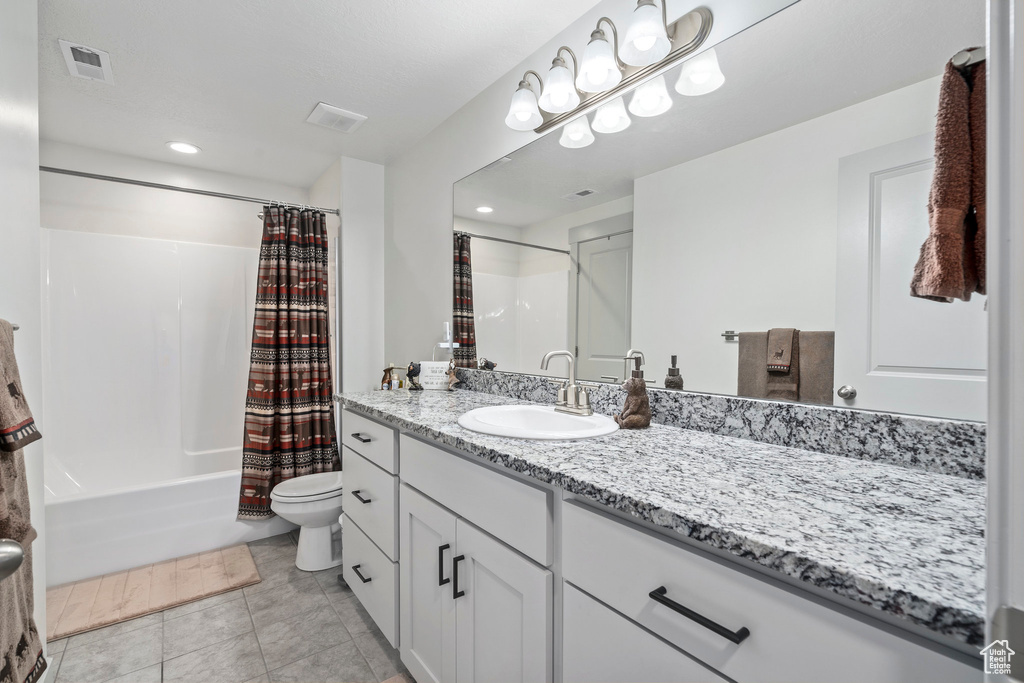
730 335
15 326
11 557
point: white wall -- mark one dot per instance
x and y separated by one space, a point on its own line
745 239
19 240
71 203
419 184
362 277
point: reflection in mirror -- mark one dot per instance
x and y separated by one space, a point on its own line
793 196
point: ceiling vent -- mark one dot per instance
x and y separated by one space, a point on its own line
336 119
87 62
573 196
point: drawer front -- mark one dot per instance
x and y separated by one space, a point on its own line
791 638
378 594
372 440
517 513
364 481
600 646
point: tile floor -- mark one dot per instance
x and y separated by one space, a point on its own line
294 626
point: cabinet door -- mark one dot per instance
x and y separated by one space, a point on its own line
504 611
600 646
427 622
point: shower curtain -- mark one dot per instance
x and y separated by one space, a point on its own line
464 333
289 409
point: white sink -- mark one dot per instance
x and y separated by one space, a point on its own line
536 422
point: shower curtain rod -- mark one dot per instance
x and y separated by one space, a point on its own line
160 186
518 244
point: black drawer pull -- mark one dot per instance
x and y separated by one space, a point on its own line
440 564
362 578
361 439
362 500
660 594
456 593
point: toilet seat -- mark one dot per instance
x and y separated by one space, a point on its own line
308 488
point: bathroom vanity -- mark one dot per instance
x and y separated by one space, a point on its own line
660 554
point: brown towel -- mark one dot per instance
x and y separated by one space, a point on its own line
817 367
783 364
948 266
20 646
816 362
978 156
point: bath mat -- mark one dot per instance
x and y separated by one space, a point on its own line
93 603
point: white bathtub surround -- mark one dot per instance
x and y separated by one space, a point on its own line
144 376
314 503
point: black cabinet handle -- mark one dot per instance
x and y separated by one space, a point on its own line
360 438
456 593
440 564
362 578
660 594
362 500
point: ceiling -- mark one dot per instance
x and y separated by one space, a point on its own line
239 77
812 58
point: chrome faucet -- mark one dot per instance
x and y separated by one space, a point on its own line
573 397
630 355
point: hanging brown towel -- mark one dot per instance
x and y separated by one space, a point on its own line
21 648
948 266
978 176
782 360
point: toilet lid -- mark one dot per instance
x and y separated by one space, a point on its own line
309 485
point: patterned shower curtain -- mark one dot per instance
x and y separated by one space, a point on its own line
464 333
289 409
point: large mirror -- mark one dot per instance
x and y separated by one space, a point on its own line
793 196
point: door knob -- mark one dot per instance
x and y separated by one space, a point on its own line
847 392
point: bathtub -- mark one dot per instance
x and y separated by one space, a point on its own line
145 367
91 534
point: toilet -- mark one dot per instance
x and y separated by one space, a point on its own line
314 503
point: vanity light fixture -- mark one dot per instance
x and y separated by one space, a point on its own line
651 98
647 39
183 147
600 68
484 209
652 46
611 117
700 75
559 94
523 113
576 134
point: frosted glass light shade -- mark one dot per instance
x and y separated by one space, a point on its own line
559 94
576 134
700 75
523 113
646 40
651 98
598 69
611 117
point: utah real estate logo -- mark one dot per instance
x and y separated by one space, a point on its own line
997 656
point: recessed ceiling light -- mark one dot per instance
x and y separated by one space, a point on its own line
484 209
183 147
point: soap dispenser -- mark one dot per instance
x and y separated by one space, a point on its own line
673 380
636 412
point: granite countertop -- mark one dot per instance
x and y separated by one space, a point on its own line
905 541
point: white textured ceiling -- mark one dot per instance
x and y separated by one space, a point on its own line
239 77
814 57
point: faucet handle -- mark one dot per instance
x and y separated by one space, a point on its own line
563 390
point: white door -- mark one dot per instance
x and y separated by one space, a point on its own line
427 623
504 611
604 293
900 353
600 646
